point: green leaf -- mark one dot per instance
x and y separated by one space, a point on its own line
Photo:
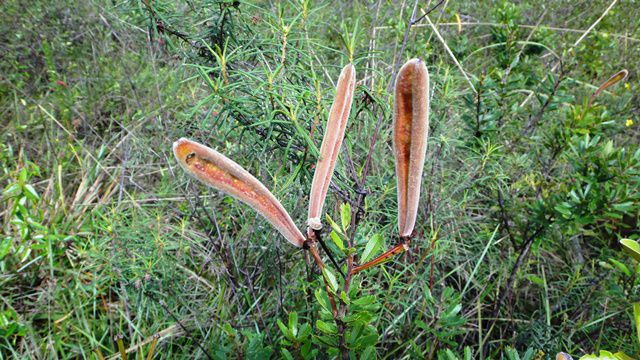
325 327
345 298
284 329
624 207
31 193
323 300
345 215
293 323
331 279
622 356
334 226
535 279
450 355
622 267
12 190
604 355
369 353
372 247
631 247
367 340
5 246
337 240
305 331
286 354
364 300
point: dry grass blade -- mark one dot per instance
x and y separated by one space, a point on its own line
331 143
410 131
219 172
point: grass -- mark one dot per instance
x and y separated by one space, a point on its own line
105 238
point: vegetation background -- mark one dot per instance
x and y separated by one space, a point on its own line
527 188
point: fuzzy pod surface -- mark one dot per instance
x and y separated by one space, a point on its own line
222 173
410 132
330 148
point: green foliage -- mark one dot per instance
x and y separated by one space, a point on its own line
527 192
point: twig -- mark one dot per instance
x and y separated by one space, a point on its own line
328 252
404 246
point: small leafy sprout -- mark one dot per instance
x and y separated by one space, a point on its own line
330 148
219 172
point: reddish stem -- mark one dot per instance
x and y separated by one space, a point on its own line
404 246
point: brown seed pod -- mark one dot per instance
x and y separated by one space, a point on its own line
334 133
219 172
614 79
410 131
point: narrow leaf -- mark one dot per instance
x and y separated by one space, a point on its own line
345 215
333 135
326 327
219 172
410 132
373 245
331 279
337 240
631 247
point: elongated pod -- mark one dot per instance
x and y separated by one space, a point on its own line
410 131
614 79
219 172
333 135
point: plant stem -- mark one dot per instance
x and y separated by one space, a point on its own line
404 246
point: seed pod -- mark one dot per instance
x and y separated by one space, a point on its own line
614 79
333 135
219 172
410 131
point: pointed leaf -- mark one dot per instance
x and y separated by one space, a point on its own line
326 327
337 240
331 279
631 247
345 215
293 323
373 245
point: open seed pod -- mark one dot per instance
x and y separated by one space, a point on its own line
219 172
333 135
614 79
410 132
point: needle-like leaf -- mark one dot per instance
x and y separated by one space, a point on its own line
219 172
333 135
410 131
